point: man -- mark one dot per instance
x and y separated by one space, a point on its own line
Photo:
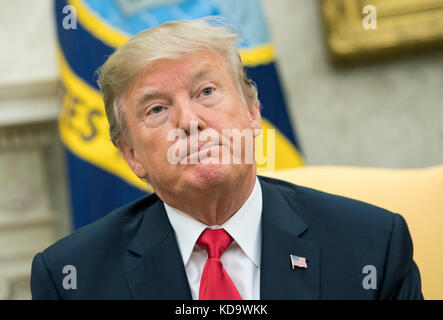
214 229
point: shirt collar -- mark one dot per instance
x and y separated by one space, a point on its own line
187 229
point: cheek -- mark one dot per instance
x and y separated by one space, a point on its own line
157 147
236 115
147 146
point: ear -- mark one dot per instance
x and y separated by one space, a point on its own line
128 153
254 116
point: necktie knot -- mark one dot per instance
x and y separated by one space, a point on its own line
215 242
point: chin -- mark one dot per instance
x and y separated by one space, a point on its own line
203 176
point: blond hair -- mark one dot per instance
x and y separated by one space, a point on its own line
167 41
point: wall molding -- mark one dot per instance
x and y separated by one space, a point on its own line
29 102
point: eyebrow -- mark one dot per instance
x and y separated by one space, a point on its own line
145 94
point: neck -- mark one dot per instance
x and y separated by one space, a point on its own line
214 206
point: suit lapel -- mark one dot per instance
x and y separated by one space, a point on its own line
282 235
157 271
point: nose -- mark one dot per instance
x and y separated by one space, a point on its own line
186 112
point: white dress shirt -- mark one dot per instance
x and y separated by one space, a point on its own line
241 259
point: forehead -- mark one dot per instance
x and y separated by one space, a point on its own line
184 69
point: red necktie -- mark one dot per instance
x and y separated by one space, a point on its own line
215 283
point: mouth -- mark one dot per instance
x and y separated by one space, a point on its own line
198 155
197 150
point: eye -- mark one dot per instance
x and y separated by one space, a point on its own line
207 91
156 109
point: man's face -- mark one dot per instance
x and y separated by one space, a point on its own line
197 90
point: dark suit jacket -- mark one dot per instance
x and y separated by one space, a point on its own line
132 253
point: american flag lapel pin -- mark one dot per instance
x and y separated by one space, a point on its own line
299 262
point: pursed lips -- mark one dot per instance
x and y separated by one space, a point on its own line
222 141
205 146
